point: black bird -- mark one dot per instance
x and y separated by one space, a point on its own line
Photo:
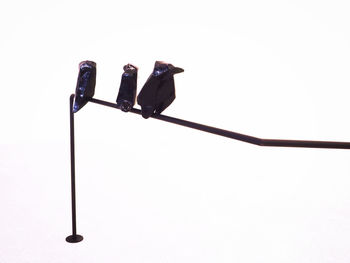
159 90
127 91
85 89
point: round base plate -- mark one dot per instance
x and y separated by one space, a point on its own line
74 238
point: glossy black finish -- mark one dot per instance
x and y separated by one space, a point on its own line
74 238
128 86
238 136
85 88
159 90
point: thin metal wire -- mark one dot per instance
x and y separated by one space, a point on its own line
74 237
238 136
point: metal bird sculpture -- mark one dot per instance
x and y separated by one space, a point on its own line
85 89
127 91
159 90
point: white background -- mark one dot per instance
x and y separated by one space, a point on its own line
149 191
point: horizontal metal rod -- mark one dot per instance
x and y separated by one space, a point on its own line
238 136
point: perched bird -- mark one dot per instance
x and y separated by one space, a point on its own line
159 90
127 91
85 89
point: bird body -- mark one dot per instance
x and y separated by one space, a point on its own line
159 90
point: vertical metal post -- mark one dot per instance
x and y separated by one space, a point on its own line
74 238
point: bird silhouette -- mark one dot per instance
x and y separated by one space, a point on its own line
127 90
159 90
85 89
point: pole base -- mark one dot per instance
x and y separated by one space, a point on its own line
74 238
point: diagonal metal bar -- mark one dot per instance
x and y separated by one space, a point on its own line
238 136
